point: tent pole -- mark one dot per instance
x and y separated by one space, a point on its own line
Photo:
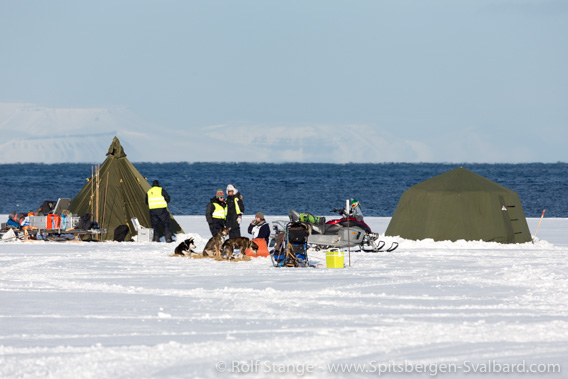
92 189
538 226
347 211
104 202
97 196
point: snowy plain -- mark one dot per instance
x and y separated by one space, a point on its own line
429 309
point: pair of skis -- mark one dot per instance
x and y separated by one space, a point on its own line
378 246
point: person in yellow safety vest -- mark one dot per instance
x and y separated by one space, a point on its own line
235 209
216 212
157 199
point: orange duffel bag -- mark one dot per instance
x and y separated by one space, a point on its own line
262 248
53 221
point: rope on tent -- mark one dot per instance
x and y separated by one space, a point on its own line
173 206
105 200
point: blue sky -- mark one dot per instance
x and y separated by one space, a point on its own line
449 81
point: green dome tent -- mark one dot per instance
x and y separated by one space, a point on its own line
119 196
460 204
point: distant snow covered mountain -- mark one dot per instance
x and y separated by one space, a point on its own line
32 133
50 135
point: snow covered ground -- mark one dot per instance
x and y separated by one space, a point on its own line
429 309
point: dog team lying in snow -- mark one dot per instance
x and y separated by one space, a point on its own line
218 247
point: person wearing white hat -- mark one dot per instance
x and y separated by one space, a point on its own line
235 209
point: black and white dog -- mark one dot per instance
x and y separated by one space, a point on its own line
185 249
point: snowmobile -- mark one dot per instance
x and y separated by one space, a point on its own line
348 231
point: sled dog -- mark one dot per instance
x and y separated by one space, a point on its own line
239 243
185 249
215 244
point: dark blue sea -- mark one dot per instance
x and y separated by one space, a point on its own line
276 188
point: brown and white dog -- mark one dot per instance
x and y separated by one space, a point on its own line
185 249
214 246
239 243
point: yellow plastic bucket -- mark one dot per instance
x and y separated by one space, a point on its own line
334 259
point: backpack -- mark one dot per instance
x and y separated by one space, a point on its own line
120 233
85 222
45 208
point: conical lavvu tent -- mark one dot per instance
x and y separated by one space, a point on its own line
460 204
115 194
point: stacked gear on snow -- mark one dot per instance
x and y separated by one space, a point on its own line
46 208
15 219
85 223
291 249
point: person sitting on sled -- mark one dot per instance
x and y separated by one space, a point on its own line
259 228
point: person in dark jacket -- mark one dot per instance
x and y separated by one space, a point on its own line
259 228
235 209
216 212
157 199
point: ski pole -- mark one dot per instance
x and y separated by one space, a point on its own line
538 226
348 231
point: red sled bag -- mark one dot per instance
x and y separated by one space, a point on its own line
262 248
53 221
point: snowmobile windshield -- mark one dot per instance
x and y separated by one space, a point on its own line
356 211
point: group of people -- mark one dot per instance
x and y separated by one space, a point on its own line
227 211
222 211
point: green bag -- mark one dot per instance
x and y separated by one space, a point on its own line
308 217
